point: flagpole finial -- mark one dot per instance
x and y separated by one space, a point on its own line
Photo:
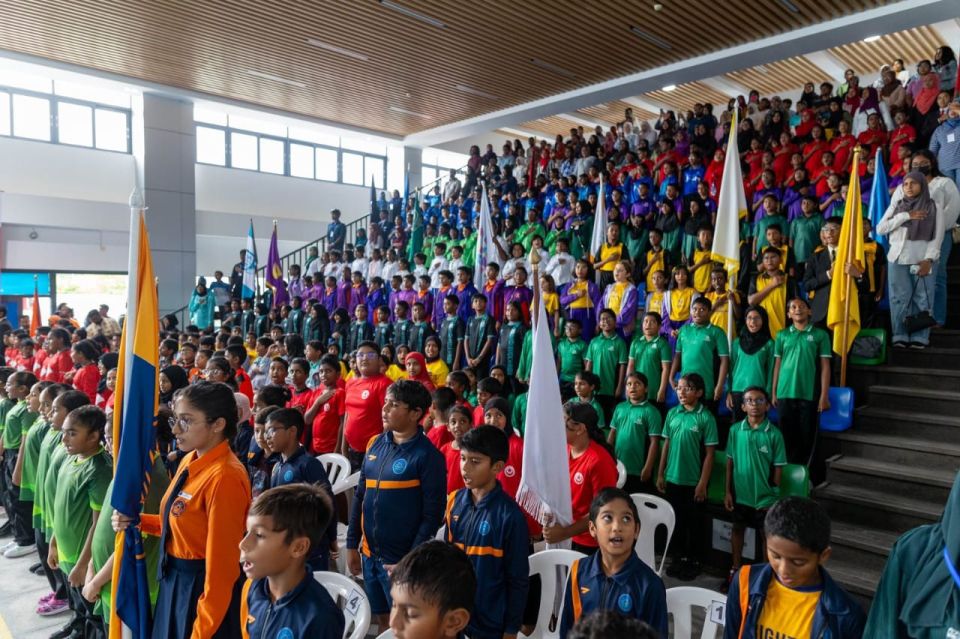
136 198
535 257
274 221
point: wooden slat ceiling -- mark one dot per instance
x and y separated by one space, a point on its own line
686 95
912 45
612 112
776 77
552 125
211 47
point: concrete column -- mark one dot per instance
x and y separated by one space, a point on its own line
165 149
413 164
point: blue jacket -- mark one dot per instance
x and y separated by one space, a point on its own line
493 533
306 611
635 591
201 310
399 499
838 616
301 468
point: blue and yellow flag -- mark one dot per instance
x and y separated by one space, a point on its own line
134 433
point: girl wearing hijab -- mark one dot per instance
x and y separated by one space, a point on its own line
914 229
172 379
317 325
201 307
892 93
751 359
416 366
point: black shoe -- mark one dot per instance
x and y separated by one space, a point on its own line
67 631
37 568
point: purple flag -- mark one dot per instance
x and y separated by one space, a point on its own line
274 273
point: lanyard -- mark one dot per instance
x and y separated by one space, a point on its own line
951 567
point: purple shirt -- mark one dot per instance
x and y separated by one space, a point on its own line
358 296
521 294
494 295
344 293
465 295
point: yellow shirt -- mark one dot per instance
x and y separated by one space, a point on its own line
580 302
701 277
775 304
655 262
615 298
438 372
395 373
680 300
787 613
551 303
870 256
655 303
607 252
719 316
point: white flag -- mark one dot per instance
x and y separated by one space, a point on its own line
250 267
732 204
486 248
545 484
599 236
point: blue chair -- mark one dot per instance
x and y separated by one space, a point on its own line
840 415
773 415
672 399
722 410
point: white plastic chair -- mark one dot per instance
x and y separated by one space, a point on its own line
545 564
347 483
352 600
621 474
386 634
682 599
654 512
342 544
338 469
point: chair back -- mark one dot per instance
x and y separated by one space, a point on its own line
552 566
680 603
349 595
795 481
840 416
621 474
338 469
654 512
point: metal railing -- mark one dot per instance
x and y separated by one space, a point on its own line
301 254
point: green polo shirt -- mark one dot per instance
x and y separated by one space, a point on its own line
571 358
805 233
634 423
606 354
799 353
518 414
51 441
755 452
761 226
5 405
81 487
755 369
688 432
601 418
696 346
648 358
31 455
17 422
50 480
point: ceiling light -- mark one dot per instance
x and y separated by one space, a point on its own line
761 68
652 39
408 112
552 68
335 49
472 91
790 6
276 78
410 13
670 87
872 38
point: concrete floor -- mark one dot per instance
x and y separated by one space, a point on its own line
19 591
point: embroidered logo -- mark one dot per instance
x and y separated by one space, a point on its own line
365 394
399 466
764 449
509 471
484 528
285 633
578 478
178 507
288 475
624 602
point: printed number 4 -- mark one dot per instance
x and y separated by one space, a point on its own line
717 610
353 602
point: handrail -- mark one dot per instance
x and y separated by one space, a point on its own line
297 255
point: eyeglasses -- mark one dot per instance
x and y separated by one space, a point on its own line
270 432
367 355
185 423
754 401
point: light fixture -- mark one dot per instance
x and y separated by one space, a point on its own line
652 39
410 13
483 94
790 6
872 38
408 112
670 87
335 49
762 69
276 78
537 62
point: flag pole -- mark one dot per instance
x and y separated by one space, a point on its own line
534 305
847 283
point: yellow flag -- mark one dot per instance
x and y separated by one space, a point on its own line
849 250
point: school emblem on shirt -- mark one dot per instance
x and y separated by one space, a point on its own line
764 449
809 338
178 507
624 602
578 478
288 475
509 471
484 528
953 633
399 466
285 633
365 394
326 407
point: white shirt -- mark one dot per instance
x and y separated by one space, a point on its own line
439 263
560 267
454 265
451 189
389 270
944 193
419 269
374 269
359 264
333 269
510 267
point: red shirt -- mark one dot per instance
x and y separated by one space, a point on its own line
39 357
365 397
26 363
589 474
244 385
439 435
454 478
842 147
86 380
900 136
56 366
326 423
478 416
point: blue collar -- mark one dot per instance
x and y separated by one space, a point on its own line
951 567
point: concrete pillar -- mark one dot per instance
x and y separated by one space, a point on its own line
165 150
413 164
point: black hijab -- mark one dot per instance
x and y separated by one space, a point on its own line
750 343
178 380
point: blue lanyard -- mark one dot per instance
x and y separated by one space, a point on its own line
951 567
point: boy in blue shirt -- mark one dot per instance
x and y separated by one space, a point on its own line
400 496
487 523
281 596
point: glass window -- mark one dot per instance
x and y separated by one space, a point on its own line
243 151
301 160
111 130
101 95
352 168
312 135
260 126
31 117
28 81
211 146
373 170
271 156
74 124
209 116
427 175
327 164
4 113
367 146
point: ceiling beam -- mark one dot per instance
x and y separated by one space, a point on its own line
828 63
725 86
895 16
586 122
949 30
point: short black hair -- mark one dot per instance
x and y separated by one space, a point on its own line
274 395
331 361
602 624
300 510
412 393
171 344
608 494
264 413
800 520
444 399
302 362
72 399
5 373
757 389
440 573
215 400
490 385
238 351
640 377
695 381
487 440
289 418
702 301
90 417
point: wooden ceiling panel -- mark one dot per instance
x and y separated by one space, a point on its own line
400 61
686 95
552 126
912 45
612 112
776 77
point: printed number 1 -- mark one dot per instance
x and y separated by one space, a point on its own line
717 610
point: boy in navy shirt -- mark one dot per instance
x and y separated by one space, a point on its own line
400 496
284 431
281 596
487 523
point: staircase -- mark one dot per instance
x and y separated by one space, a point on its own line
894 469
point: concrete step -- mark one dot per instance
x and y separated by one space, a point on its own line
859 581
919 399
867 547
899 450
905 376
879 509
930 357
945 337
919 425
923 482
